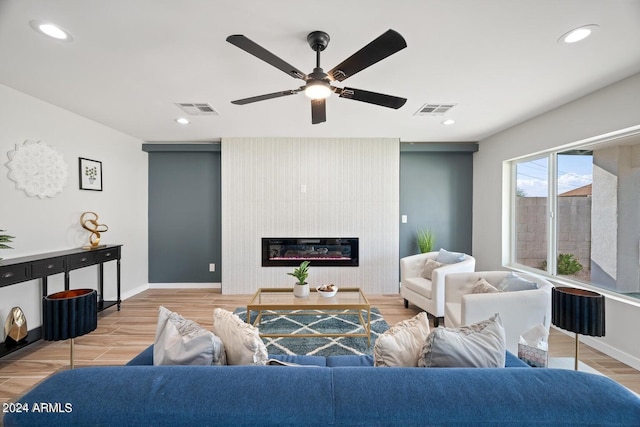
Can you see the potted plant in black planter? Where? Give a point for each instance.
(301, 288)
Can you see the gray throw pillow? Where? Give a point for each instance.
(446, 257)
(480, 345)
(483, 287)
(513, 283)
(180, 341)
(429, 266)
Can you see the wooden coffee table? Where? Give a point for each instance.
(282, 300)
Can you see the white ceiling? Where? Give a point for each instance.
(131, 60)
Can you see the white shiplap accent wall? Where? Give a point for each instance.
(352, 190)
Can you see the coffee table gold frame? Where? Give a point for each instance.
(346, 301)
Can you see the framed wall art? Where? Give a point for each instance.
(90, 174)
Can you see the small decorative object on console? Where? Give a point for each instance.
(327, 291)
(95, 229)
(15, 327)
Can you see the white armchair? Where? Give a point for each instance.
(519, 310)
(424, 293)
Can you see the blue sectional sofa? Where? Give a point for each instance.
(338, 390)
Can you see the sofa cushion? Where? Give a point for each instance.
(480, 345)
(351, 360)
(446, 257)
(513, 283)
(429, 266)
(241, 340)
(179, 341)
(483, 287)
(401, 344)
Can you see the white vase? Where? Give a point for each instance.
(301, 291)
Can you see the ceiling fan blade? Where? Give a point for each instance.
(265, 97)
(385, 45)
(259, 52)
(372, 97)
(318, 111)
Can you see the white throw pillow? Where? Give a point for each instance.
(429, 266)
(241, 340)
(401, 344)
(180, 341)
(481, 345)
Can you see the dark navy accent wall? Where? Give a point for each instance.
(184, 216)
(436, 191)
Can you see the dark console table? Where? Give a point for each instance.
(41, 266)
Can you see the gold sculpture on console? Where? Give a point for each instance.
(95, 229)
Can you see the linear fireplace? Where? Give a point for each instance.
(323, 251)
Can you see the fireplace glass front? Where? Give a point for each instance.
(327, 251)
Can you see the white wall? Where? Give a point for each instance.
(352, 190)
(51, 224)
(610, 109)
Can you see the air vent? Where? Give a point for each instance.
(434, 109)
(197, 109)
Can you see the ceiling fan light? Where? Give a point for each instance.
(317, 90)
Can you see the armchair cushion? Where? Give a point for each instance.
(446, 257)
(419, 285)
(480, 345)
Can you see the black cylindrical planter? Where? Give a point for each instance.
(578, 310)
(69, 314)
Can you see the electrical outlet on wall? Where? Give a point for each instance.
(212, 267)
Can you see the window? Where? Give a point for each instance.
(531, 212)
(575, 214)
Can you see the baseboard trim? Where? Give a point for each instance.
(135, 291)
(607, 349)
(185, 285)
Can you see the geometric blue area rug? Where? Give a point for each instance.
(340, 322)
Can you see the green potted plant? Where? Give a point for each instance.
(426, 239)
(301, 288)
(5, 239)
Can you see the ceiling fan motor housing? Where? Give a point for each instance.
(318, 40)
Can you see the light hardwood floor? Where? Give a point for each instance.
(122, 335)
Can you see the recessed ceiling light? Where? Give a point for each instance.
(578, 34)
(51, 30)
(448, 122)
(183, 121)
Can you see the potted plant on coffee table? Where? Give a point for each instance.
(301, 288)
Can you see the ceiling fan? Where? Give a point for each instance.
(318, 84)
